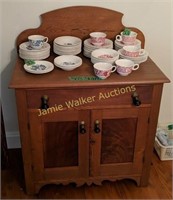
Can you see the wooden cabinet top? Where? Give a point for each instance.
(79, 21)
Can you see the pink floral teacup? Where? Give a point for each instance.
(98, 38)
(103, 70)
(132, 51)
(125, 66)
(127, 39)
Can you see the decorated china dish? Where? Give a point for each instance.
(26, 47)
(119, 45)
(89, 47)
(68, 62)
(67, 45)
(67, 41)
(108, 43)
(39, 67)
(104, 55)
(27, 52)
(138, 59)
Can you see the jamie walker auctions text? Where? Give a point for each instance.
(72, 103)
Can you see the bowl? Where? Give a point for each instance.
(68, 41)
(104, 55)
(68, 62)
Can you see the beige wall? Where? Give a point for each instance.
(153, 17)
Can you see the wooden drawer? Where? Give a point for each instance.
(90, 97)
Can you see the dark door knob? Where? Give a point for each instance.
(97, 126)
(135, 99)
(44, 102)
(82, 127)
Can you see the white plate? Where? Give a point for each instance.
(67, 50)
(40, 67)
(64, 48)
(108, 44)
(25, 46)
(34, 57)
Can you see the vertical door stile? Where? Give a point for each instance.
(83, 143)
(141, 136)
(36, 143)
(95, 143)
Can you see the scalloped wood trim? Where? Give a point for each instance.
(89, 181)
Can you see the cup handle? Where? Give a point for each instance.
(46, 39)
(119, 38)
(142, 52)
(135, 67)
(113, 69)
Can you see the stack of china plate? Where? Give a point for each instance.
(119, 45)
(104, 55)
(26, 52)
(68, 62)
(137, 60)
(67, 45)
(89, 47)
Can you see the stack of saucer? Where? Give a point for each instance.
(137, 60)
(119, 45)
(27, 52)
(104, 55)
(89, 47)
(67, 45)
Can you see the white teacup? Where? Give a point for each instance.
(132, 51)
(103, 70)
(37, 41)
(125, 66)
(98, 38)
(127, 39)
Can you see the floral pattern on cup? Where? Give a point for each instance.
(37, 41)
(132, 51)
(125, 66)
(127, 39)
(98, 38)
(103, 70)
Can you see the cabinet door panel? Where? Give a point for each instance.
(59, 150)
(118, 140)
(120, 145)
(60, 141)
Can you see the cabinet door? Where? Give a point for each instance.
(59, 150)
(118, 148)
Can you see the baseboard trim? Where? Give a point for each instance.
(13, 140)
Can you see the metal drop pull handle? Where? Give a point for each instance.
(135, 99)
(82, 127)
(44, 102)
(97, 126)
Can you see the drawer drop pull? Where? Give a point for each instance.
(44, 102)
(97, 126)
(135, 99)
(82, 127)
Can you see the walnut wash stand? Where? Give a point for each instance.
(99, 139)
